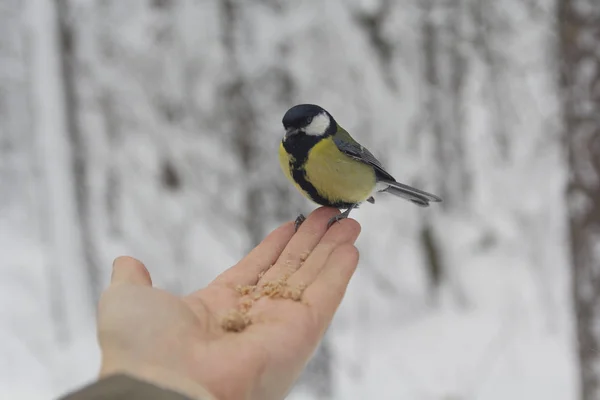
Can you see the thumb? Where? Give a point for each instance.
(128, 270)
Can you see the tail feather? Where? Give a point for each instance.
(409, 193)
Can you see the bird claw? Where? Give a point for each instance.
(335, 219)
(299, 220)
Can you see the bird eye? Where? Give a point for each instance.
(309, 120)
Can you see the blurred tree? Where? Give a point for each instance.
(67, 42)
(491, 27)
(24, 226)
(445, 68)
(579, 22)
(444, 72)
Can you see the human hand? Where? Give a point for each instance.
(247, 335)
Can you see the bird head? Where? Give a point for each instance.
(308, 120)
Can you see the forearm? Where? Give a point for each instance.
(127, 386)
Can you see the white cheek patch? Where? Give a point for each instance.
(318, 125)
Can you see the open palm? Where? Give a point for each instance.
(249, 334)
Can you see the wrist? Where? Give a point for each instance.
(158, 376)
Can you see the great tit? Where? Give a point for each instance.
(330, 168)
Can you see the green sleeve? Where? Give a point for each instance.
(123, 387)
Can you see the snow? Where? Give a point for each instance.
(155, 88)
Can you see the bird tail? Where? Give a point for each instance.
(409, 193)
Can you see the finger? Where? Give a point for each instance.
(344, 232)
(301, 245)
(264, 255)
(326, 293)
(130, 271)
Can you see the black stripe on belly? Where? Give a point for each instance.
(299, 176)
(299, 147)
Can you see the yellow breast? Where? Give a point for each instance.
(336, 176)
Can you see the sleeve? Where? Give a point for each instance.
(123, 387)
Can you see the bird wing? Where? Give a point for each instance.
(347, 145)
(355, 150)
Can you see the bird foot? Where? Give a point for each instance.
(299, 220)
(335, 219)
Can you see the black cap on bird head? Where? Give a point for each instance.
(309, 119)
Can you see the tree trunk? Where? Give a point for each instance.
(580, 83)
(72, 304)
(67, 42)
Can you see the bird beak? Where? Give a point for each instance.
(290, 132)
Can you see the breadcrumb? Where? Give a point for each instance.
(304, 256)
(246, 305)
(295, 293)
(280, 289)
(244, 290)
(271, 289)
(262, 273)
(235, 321)
(282, 281)
(238, 319)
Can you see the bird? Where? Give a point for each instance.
(332, 169)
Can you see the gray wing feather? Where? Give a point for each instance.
(360, 153)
